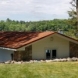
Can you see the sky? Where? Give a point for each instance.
(34, 10)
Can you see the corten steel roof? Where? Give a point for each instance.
(16, 40)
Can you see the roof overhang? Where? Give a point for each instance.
(8, 49)
(42, 36)
(67, 38)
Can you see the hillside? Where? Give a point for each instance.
(46, 25)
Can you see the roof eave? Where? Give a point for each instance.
(8, 48)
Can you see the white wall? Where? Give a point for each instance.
(58, 43)
(5, 55)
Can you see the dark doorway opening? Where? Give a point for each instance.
(53, 53)
(12, 56)
(48, 54)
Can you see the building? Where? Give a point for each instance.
(36, 45)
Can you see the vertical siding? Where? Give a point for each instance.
(5, 55)
(58, 43)
(73, 49)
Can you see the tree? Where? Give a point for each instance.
(74, 14)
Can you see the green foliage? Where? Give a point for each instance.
(11, 25)
(49, 25)
(73, 13)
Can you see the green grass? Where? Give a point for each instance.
(40, 70)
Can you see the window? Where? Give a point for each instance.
(51, 54)
(48, 53)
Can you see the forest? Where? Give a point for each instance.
(66, 26)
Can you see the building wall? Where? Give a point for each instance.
(51, 42)
(5, 55)
(73, 49)
(25, 54)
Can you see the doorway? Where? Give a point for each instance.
(48, 54)
(51, 54)
(12, 56)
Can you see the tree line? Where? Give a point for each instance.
(46, 25)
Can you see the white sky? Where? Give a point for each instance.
(34, 9)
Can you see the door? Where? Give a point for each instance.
(48, 54)
(12, 56)
(53, 53)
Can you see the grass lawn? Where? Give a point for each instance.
(40, 70)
